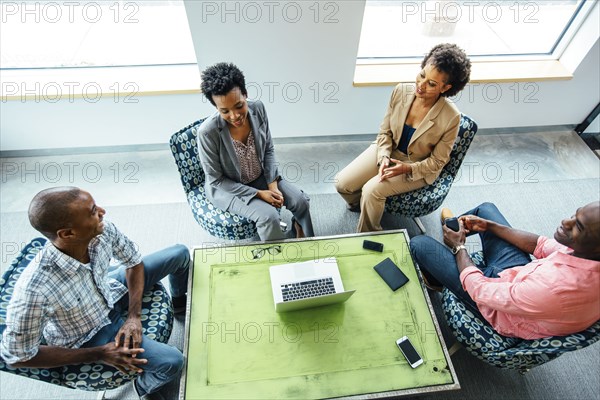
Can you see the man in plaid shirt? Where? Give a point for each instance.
(69, 296)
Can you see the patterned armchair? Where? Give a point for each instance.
(427, 199)
(480, 339)
(215, 221)
(157, 323)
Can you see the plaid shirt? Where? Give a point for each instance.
(63, 300)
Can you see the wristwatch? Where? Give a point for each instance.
(456, 249)
(382, 157)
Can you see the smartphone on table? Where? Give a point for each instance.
(409, 351)
(391, 274)
(375, 246)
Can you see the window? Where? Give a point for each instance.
(48, 34)
(408, 29)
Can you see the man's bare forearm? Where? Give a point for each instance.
(53, 356)
(135, 286)
(525, 241)
(463, 260)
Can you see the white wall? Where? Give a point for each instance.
(278, 57)
(80, 123)
(305, 52)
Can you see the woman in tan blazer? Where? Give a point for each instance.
(414, 140)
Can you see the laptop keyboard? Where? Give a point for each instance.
(302, 290)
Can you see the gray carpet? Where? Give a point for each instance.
(536, 207)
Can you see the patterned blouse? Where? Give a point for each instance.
(249, 163)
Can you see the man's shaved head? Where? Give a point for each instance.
(50, 209)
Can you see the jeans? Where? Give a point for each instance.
(438, 264)
(164, 361)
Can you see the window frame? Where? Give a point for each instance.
(564, 38)
(120, 18)
(389, 71)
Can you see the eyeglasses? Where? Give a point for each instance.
(273, 250)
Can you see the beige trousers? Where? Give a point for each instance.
(358, 182)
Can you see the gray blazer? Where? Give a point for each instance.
(220, 163)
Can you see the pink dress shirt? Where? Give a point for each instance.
(555, 295)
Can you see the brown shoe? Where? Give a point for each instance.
(429, 286)
(445, 214)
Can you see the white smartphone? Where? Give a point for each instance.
(409, 351)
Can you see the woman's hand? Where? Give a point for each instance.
(273, 187)
(274, 198)
(385, 162)
(397, 168)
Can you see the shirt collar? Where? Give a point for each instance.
(63, 261)
(565, 257)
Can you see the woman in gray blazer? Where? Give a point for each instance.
(237, 155)
(414, 141)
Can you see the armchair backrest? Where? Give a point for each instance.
(466, 132)
(184, 147)
(12, 273)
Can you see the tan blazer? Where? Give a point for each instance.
(430, 146)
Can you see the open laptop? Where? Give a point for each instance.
(307, 284)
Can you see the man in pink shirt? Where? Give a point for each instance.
(555, 295)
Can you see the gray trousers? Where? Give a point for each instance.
(266, 217)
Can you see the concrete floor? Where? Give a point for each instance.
(151, 177)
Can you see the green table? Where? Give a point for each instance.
(237, 346)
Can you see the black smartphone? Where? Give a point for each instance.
(452, 223)
(391, 274)
(375, 246)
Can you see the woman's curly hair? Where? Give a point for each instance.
(220, 79)
(452, 60)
